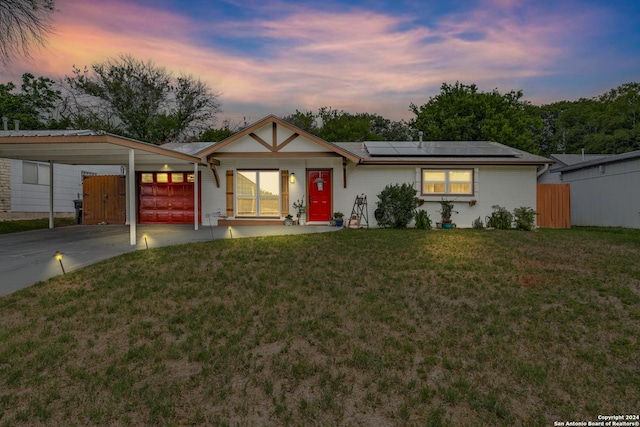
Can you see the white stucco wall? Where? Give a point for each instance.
(607, 196)
(510, 187)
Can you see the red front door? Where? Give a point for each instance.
(319, 191)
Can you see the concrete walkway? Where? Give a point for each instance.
(29, 257)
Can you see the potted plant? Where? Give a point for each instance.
(288, 220)
(446, 212)
(338, 217)
(301, 208)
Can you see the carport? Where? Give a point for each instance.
(88, 147)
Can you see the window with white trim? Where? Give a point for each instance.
(458, 182)
(258, 193)
(35, 173)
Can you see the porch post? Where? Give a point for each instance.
(132, 197)
(50, 194)
(196, 208)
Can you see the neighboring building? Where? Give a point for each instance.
(549, 174)
(24, 187)
(605, 192)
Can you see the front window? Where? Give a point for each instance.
(447, 182)
(258, 193)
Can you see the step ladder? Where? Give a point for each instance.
(359, 214)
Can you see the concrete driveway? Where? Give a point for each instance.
(29, 257)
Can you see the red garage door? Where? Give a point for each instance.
(166, 198)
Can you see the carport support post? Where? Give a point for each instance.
(50, 194)
(195, 196)
(131, 192)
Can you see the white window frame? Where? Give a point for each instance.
(41, 173)
(447, 182)
(258, 197)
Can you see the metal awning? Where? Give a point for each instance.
(85, 147)
(88, 147)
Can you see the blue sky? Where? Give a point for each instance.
(272, 57)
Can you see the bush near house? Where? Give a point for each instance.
(396, 205)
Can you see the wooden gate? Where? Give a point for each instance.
(104, 200)
(554, 205)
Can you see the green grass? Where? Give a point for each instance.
(33, 224)
(357, 327)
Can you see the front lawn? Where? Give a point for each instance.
(357, 327)
(14, 226)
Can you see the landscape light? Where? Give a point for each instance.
(59, 258)
(144, 236)
(230, 233)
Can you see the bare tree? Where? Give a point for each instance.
(139, 99)
(23, 23)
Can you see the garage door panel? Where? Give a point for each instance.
(163, 203)
(146, 190)
(163, 217)
(166, 202)
(147, 216)
(147, 203)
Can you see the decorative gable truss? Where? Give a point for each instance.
(274, 146)
(266, 133)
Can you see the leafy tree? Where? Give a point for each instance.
(304, 120)
(343, 126)
(23, 23)
(34, 106)
(396, 206)
(609, 123)
(140, 100)
(462, 113)
(218, 134)
(340, 126)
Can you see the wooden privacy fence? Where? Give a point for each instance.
(104, 200)
(554, 205)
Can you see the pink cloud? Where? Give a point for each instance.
(355, 60)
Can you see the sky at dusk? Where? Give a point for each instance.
(273, 57)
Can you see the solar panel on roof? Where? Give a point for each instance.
(438, 149)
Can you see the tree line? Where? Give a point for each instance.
(140, 100)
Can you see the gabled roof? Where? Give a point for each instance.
(602, 160)
(271, 119)
(83, 147)
(407, 152)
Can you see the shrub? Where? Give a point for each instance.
(524, 218)
(423, 222)
(500, 218)
(477, 224)
(397, 206)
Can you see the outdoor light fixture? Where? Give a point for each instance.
(59, 258)
(144, 236)
(230, 233)
(292, 178)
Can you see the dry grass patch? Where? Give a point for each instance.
(360, 327)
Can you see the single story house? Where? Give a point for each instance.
(259, 173)
(605, 192)
(256, 175)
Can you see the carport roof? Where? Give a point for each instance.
(84, 147)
